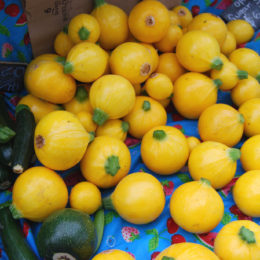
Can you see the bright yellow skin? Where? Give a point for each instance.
(141, 121)
(187, 251)
(192, 142)
(221, 123)
(246, 193)
(165, 102)
(62, 44)
(39, 107)
(230, 246)
(114, 128)
(154, 53)
(113, 254)
(250, 153)
(39, 192)
(228, 75)
(196, 207)
(184, 14)
(108, 92)
(85, 196)
(94, 161)
(251, 112)
(245, 90)
(76, 105)
(242, 30)
(139, 198)
(174, 18)
(169, 65)
(212, 161)
(211, 24)
(166, 156)
(45, 79)
(193, 93)
(170, 40)
(149, 21)
(197, 50)
(86, 120)
(89, 23)
(89, 61)
(229, 44)
(159, 86)
(46, 57)
(132, 61)
(60, 140)
(113, 25)
(246, 59)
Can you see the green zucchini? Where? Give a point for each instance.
(14, 242)
(6, 177)
(67, 234)
(4, 116)
(6, 153)
(23, 149)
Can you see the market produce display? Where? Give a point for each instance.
(138, 139)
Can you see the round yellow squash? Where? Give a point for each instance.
(86, 62)
(229, 44)
(86, 120)
(186, 251)
(238, 240)
(246, 193)
(184, 15)
(106, 161)
(37, 193)
(198, 51)
(39, 107)
(164, 150)
(131, 60)
(45, 79)
(196, 206)
(154, 53)
(113, 254)
(221, 123)
(113, 24)
(138, 198)
(60, 140)
(146, 114)
(192, 142)
(215, 162)
(112, 97)
(63, 43)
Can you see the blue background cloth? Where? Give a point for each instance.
(142, 241)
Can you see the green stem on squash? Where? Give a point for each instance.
(205, 181)
(68, 67)
(81, 94)
(99, 223)
(107, 203)
(146, 105)
(15, 212)
(61, 60)
(258, 77)
(234, 154)
(91, 136)
(241, 119)
(99, 116)
(247, 235)
(167, 258)
(83, 33)
(125, 126)
(217, 64)
(159, 135)
(112, 165)
(218, 83)
(99, 3)
(242, 74)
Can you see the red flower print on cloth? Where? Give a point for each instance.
(7, 49)
(12, 10)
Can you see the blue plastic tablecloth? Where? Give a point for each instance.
(142, 241)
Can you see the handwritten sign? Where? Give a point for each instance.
(12, 76)
(248, 10)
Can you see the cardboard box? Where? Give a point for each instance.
(46, 18)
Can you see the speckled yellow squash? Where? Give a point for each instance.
(238, 240)
(164, 150)
(138, 198)
(60, 140)
(37, 193)
(106, 161)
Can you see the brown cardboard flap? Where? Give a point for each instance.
(46, 18)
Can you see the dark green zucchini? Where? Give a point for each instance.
(14, 242)
(23, 149)
(6, 177)
(4, 116)
(6, 153)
